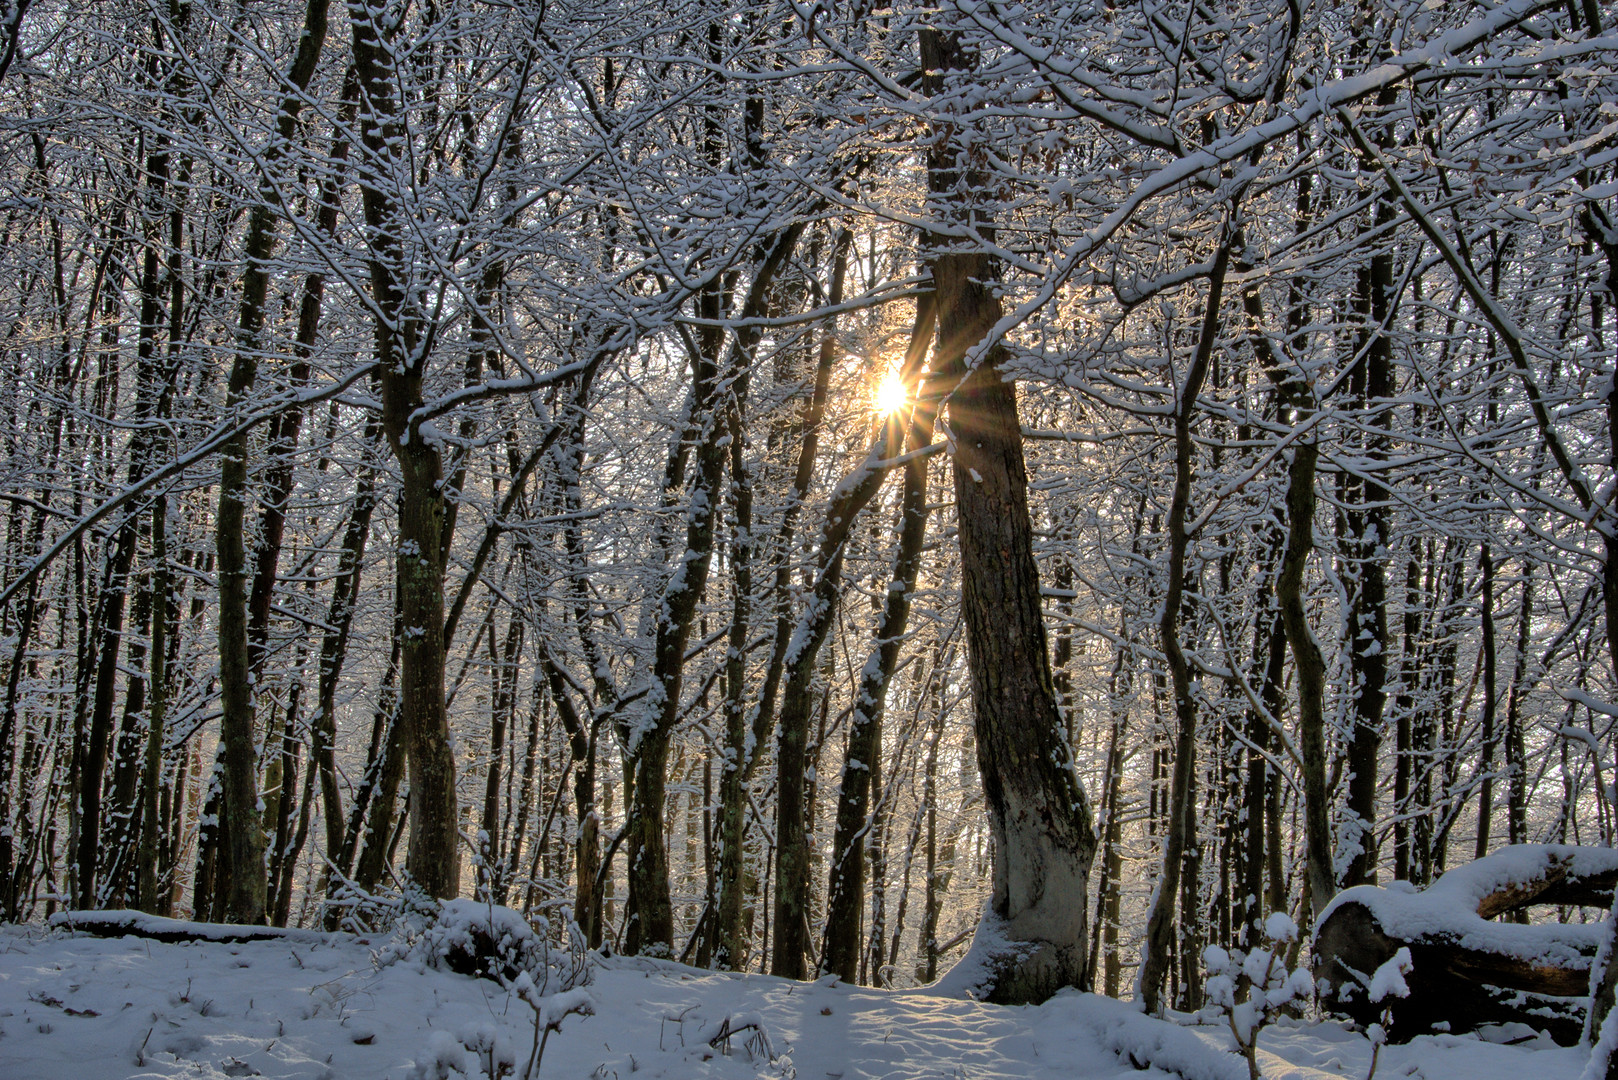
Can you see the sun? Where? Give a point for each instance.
(891, 394)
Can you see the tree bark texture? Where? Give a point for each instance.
(433, 857)
(1032, 939)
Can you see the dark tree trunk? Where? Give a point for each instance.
(433, 858)
(1179, 845)
(1033, 939)
(1366, 542)
(1405, 707)
(1486, 763)
(1516, 760)
(1311, 669)
(243, 838)
(651, 920)
(845, 890)
(1039, 814)
(152, 866)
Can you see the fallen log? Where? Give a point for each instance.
(115, 924)
(1469, 969)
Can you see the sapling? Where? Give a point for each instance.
(1252, 988)
(1386, 983)
(549, 1012)
(558, 994)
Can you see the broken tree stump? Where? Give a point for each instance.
(1471, 970)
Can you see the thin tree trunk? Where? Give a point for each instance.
(151, 865)
(792, 866)
(1486, 764)
(1367, 523)
(1311, 671)
(845, 889)
(1104, 939)
(1516, 755)
(1262, 779)
(1181, 825)
(724, 945)
(1405, 707)
(283, 848)
(938, 863)
(747, 740)
(371, 819)
(243, 839)
(651, 918)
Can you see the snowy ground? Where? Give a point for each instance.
(79, 1008)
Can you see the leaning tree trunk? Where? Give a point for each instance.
(1031, 941)
(1033, 932)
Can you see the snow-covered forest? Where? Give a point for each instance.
(799, 487)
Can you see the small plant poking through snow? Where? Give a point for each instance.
(484, 940)
(1250, 989)
(756, 1042)
(549, 1012)
(1385, 984)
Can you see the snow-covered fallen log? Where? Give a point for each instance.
(116, 924)
(1469, 968)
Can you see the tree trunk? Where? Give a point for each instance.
(651, 920)
(1366, 523)
(1311, 669)
(845, 889)
(1405, 707)
(370, 820)
(151, 868)
(1032, 939)
(727, 947)
(1034, 930)
(243, 840)
(1486, 763)
(938, 863)
(764, 708)
(1179, 842)
(1516, 755)
(433, 858)
(792, 868)
(1104, 935)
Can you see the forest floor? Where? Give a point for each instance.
(73, 1007)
